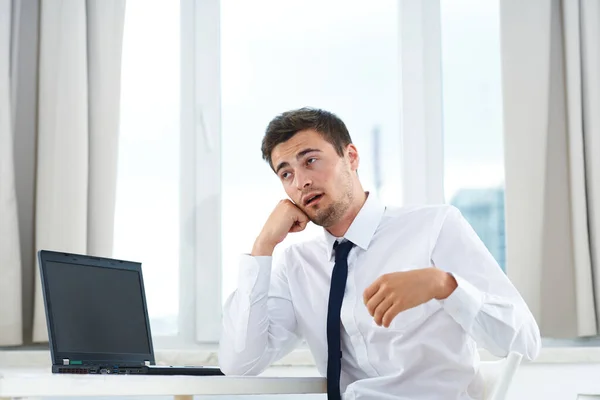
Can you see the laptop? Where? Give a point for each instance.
(98, 319)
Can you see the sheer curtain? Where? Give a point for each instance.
(551, 85)
(10, 262)
(67, 159)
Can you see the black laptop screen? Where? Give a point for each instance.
(96, 309)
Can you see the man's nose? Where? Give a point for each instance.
(302, 180)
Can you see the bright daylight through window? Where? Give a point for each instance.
(342, 58)
(147, 207)
(472, 104)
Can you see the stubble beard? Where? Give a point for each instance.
(334, 212)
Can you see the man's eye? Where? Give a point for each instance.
(285, 175)
(311, 160)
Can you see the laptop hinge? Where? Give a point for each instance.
(147, 363)
(65, 361)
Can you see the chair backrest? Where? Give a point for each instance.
(498, 375)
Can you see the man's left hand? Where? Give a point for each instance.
(395, 292)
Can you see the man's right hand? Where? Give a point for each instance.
(285, 218)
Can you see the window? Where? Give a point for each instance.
(147, 205)
(472, 125)
(192, 121)
(337, 55)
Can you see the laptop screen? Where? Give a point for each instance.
(96, 309)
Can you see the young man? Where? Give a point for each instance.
(393, 302)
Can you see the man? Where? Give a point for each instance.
(393, 302)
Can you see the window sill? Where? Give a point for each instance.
(300, 358)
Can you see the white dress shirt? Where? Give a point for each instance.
(428, 352)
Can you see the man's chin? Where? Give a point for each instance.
(321, 220)
(314, 213)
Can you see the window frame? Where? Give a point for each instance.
(420, 42)
(421, 150)
(199, 320)
(200, 299)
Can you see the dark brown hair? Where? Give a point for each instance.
(284, 126)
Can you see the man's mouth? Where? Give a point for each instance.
(309, 201)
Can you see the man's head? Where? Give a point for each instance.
(311, 152)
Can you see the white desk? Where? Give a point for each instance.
(40, 383)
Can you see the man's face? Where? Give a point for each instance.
(315, 177)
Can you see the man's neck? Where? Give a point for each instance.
(340, 229)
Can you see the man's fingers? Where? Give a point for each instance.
(374, 302)
(370, 291)
(390, 314)
(300, 222)
(298, 226)
(381, 310)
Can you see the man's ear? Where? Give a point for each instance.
(353, 157)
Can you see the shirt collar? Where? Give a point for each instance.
(363, 227)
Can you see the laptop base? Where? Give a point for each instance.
(136, 370)
(176, 370)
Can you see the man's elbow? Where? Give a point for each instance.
(535, 347)
(231, 369)
(532, 342)
(239, 369)
(234, 364)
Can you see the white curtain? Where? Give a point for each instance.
(10, 260)
(551, 90)
(78, 93)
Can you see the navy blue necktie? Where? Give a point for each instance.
(336, 296)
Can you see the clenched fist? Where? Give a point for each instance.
(285, 218)
(395, 292)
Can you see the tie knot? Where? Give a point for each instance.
(342, 250)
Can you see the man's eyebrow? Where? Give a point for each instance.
(305, 152)
(298, 156)
(281, 165)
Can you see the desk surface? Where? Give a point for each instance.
(41, 382)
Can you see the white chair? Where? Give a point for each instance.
(497, 375)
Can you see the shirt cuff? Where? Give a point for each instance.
(464, 303)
